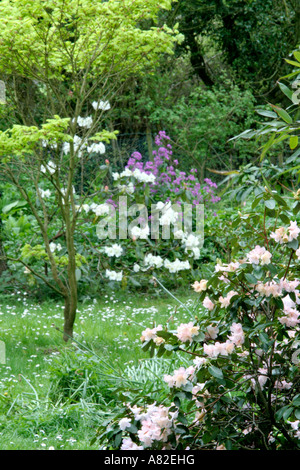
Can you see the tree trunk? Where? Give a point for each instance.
(149, 141)
(197, 61)
(69, 316)
(3, 262)
(71, 295)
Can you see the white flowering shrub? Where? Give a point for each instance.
(239, 384)
(159, 236)
(152, 193)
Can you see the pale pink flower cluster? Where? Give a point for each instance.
(157, 423)
(207, 303)
(157, 427)
(291, 317)
(225, 301)
(269, 288)
(224, 349)
(124, 423)
(295, 427)
(214, 350)
(289, 286)
(285, 235)
(276, 289)
(259, 256)
(151, 333)
(212, 331)
(180, 377)
(283, 385)
(199, 361)
(227, 268)
(128, 444)
(186, 331)
(237, 334)
(195, 391)
(200, 286)
(198, 388)
(298, 253)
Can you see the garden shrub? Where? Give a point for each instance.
(241, 387)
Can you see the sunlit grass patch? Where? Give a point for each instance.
(46, 401)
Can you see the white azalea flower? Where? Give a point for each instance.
(104, 105)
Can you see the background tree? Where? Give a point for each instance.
(62, 61)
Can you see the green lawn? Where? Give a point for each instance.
(32, 416)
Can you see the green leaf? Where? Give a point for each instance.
(270, 204)
(13, 205)
(297, 55)
(292, 62)
(132, 429)
(181, 429)
(78, 274)
(118, 439)
(250, 278)
(293, 244)
(215, 372)
(266, 113)
(296, 208)
(286, 90)
(200, 337)
(285, 219)
(287, 413)
(293, 142)
(283, 114)
(293, 156)
(256, 201)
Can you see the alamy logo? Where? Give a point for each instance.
(296, 357)
(2, 352)
(140, 221)
(2, 92)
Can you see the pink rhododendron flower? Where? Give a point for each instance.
(259, 255)
(285, 235)
(262, 378)
(293, 231)
(212, 331)
(128, 444)
(207, 303)
(280, 235)
(283, 385)
(124, 423)
(237, 334)
(214, 350)
(198, 388)
(291, 318)
(199, 361)
(200, 286)
(150, 333)
(227, 268)
(156, 425)
(225, 301)
(269, 288)
(186, 331)
(180, 377)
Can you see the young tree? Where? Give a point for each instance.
(63, 61)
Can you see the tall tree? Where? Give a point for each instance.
(71, 58)
(249, 36)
